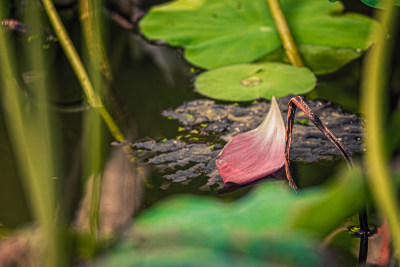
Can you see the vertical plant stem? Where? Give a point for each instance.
(93, 168)
(92, 34)
(373, 86)
(30, 135)
(94, 143)
(73, 57)
(284, 33)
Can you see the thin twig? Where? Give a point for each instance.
(288, 42)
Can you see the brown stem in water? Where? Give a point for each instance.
(299, 102)
(288, 140)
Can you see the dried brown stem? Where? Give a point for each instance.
(299, 102)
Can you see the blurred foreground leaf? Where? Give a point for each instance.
(379, 3)
(245, 82)
(4, 11)
(272, 226)
(218, 33)
(342, 200)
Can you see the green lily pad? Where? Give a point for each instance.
(320, 59)
(379, 3)
(245, 82)
(222, 32)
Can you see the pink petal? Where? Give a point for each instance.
(255, 154)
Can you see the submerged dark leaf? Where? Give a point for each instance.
(214, 124)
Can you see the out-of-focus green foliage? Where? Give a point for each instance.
(379, 3)
(272, 225)
(245, 82)
(32, 139)
(223, 32)
(324, 213)
(4, 9)
(393, 135)
(271, 249)
(4, 231)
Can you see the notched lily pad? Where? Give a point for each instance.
(211, 125)
(205, 29)
(320, 59)
(245, 82)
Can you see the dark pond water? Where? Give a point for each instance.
(149, 79)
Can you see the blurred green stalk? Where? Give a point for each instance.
(91, 28)
(283, 29)
(30, 134)
(374, 84)
(93, 162)
(93, 137)
(73, 57)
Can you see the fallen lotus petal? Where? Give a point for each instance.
(255, 154)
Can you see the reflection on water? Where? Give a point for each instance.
(121, 194)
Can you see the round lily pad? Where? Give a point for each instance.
(245, 82)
